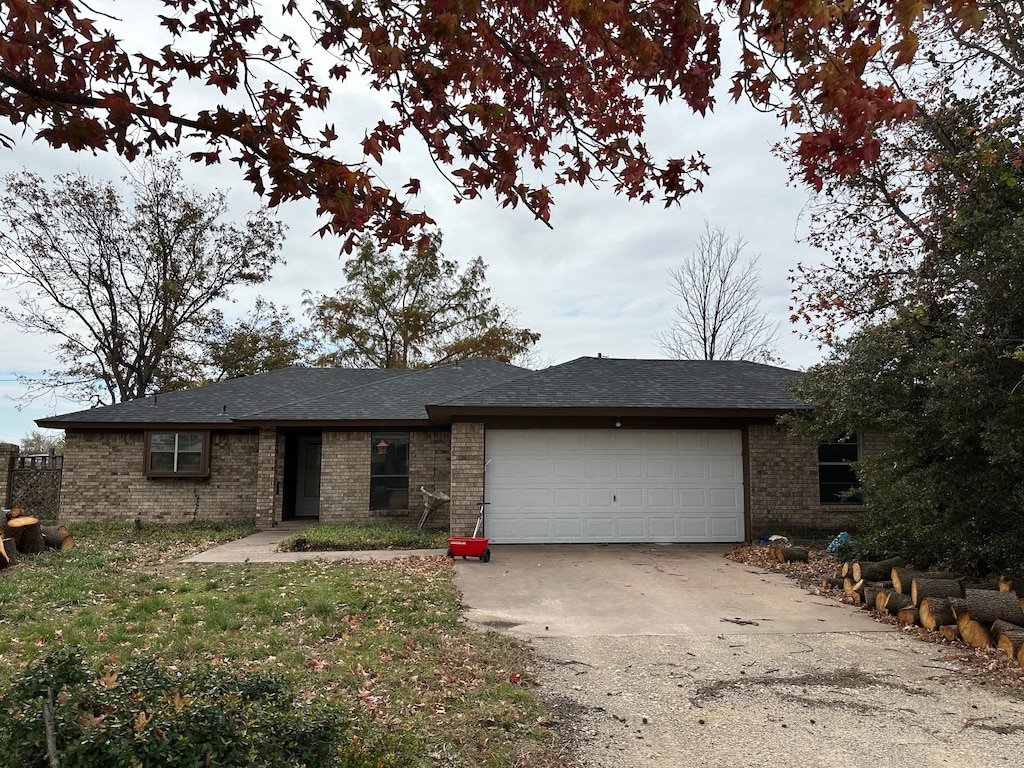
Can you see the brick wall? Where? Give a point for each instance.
(784, 497)
(267, 507)
(345, 477)
(467, 478)
(104, 481)
(430, 466)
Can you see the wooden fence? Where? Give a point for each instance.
(34, 484)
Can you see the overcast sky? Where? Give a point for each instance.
(595, 282)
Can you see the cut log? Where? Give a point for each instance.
(950, 633)
(12, 513)
(908, 615)
(55, 538)
(897, 601)
(847, 569)
(854, 589)
(8, 553)
(921, 588)
(1008, 637)
(935, 612)
(789, 554)
(1009, 583)
(871, 594)
(986, 605)
(902, 577)
(882, 599)
(972, 632)
(879, 570)
(829, 583)
(27, 534)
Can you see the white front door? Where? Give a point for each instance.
(614, 485)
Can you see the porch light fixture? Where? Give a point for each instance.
(382, 447)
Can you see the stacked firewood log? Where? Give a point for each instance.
(981, 614)
(20, 533)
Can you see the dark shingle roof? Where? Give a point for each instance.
(602, 382)
(337, 395)
(299, 394)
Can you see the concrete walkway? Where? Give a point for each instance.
(261, 547)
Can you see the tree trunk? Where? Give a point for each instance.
(882, 599)
(831, 582)
(880, 570)
(854, 590)
(27, 534)
(986, 605)
(935, 612)
(1009, 637)
(950, 633)
(921, 588)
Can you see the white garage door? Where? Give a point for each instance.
(578, 485)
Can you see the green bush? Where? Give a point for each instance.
(147, 715)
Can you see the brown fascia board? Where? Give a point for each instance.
(361, 424)
(440, 414)
(136, 426)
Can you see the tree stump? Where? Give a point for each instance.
(935, 612)
(27, 534)
(879, 570)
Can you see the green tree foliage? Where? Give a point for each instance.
(36, 442)
(941, 370)
(413, 309)
(127, 291)
(266, 339)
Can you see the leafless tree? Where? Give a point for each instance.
(719, 316)
(127, 292)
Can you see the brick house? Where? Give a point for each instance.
(593, 450)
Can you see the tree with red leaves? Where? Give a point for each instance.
(510, 98)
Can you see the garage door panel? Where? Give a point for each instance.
(629, 497)
(568, 528)
(614, 485)
(600, 528)
(723, 498)
(568, 497)
(723, 469)
(725, 529)
(569, 469)
(658, 498)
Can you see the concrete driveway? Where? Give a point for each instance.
(672, 656)
(620, 590)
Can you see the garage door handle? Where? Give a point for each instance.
(614, 498)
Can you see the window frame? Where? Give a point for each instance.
(375, 464)
(203, 470)
(850, 441)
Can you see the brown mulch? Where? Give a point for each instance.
(998, 666)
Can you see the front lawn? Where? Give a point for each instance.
(323, 537)
(377, 649)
